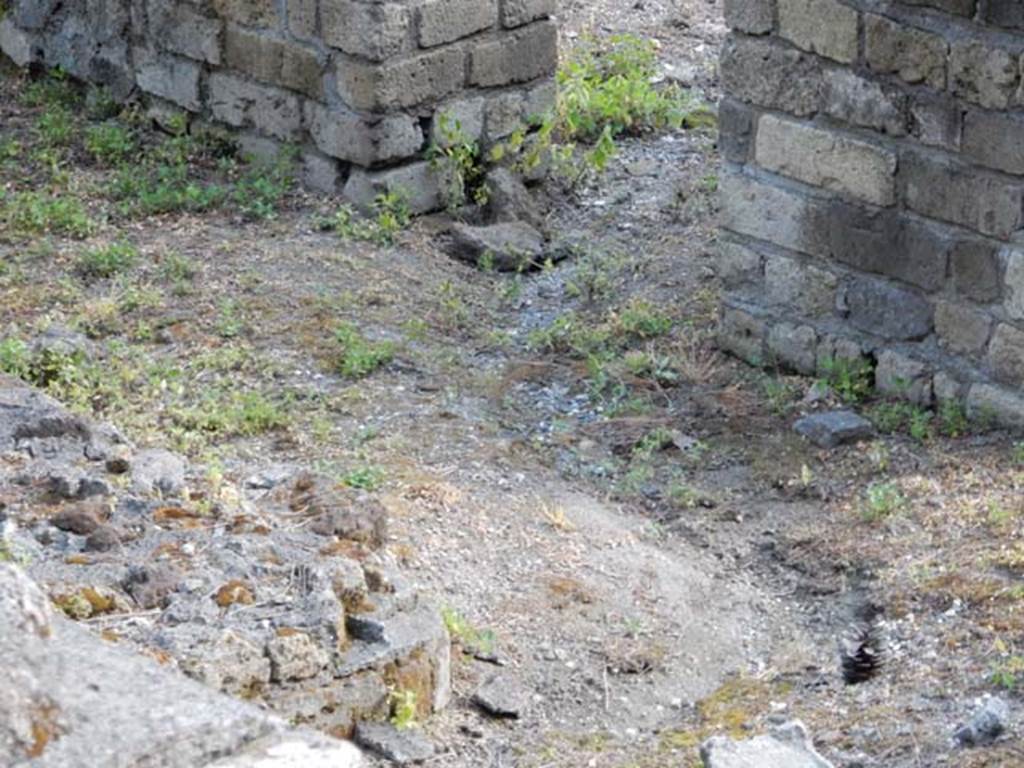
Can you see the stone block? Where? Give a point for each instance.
(442, 21)
(1013, 280)
(987, 402)
(994, 140)
(169, 77)
(864, 103)
(259, 149)
(828, 430)
(269, 110)
(766, 73)
(946, 388)
(375, 31)
(983, 73)
(946, 190)
(825, 27)
(737, 264)
(827, 159)
(253, 13)
(838, 348)
(516, 13)
(936, 120)
(274, 61)
(793, 346)
(913, 54)
(464, 116)
(902, 376)
(363, 140)
(889, 243)
(1003, 14)
(799, 287)
(755, 208)
(975, 269)
(539, 101)
(419, 181)
(884, 309)
(302, 18)
(961, 328)
(400, 83)
(755, 17)
(742, 334)
(735, 130)
(503, 114)
(958, 7)
(527, 54)
(321, 173)
(16, 43)
(180, 29)
(1006, 354)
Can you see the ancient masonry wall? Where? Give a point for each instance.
(359, 84)
(873, 193)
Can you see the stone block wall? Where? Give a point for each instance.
(873, 193)
(358, 84)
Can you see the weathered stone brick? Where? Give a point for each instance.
(442, 21)
(270, 110)
(15, 43)
(420, 182)
(169, 77)
(983, 73)
(524, 55)
(799, 287)
(274, 61)
(959, 7)
(180, 29)
(825, 27)
(1004, 13)
(321, 172)
(838, 348)
(793, 347)
(516, 13)
(1013, 279)
(961, 328)
(742, 334)
(886, 242)
(302, 18)
(1006, 354)
(865, 103)
(757, 209)
(375, 31)
(254, 13)
(953, 192)
(936, 120)
(365, 141)
(539, 101)
(768, 74)
(902, 376)
(737, 264)
(975, 269)
(755, 17)
(503, 114)
(986, 401)
(913, 54)
(403, 82)
(826, 158)
(465, 116)
(995, 140)
(735, 130)
(883, 309)
(947, 388)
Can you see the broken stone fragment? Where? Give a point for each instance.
(294, 655)
(506, 247)
(787, 746)
(987, 724)
(501, 696)
(151, 585)
(510, 201)
(339, 511)
(78, 519)
(833, 428)
(400, 746)
(156, 470)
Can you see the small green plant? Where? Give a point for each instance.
(15, 358)
(366, 478)
(851, 379)
(56, 126)
(643, 320)
(457, 159)
(109, 143)
(259, 192)
(230, 321)
(1008, 673)
(33, 213)
(953, 421)
(463, 632)
(403, 709)
(54, 89)
(359, 356)
(391, 215)
(106, 261)
(881, 500)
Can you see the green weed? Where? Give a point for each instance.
(109, 143)
(106, 261)
(851, 380)
(34, 213)
(56, 126)
(881, 500)
(1008, 673)
(403, 709)
(360, 357)
(457, 159)
(366, 478)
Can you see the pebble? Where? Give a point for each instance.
(987, 724)
(501, 696)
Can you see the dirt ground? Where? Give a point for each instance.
(645, 545)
